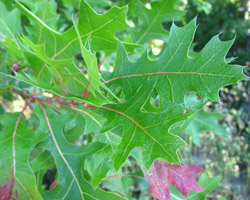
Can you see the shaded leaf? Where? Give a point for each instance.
(43, 161)
(206, 121)
(200, 121)
(25, 141)
(208, 183)
(152, 20)
(69, 161)
(99, 164)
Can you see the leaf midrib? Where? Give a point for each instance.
(175, 73)
(142, 128)
(60, 152)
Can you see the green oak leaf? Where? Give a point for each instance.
(99, 164)
(152, 19)
(200, 121)
(69, 160)
(146, 130)
(9, 34)
(68, 76)
(177, 73)
(91, 62)
(66, 72)
(42, 161)
(48, 14)
(56, 91)
(100, 28)
(9, 28)
(207, 183)
(205, 121)
(24, 141)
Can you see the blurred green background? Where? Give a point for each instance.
(226, 156)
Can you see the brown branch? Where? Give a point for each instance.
(29, 96)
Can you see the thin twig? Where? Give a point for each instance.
(27, 95)
(101, 71)
(53, 107)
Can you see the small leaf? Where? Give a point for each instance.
(161, 176)
(6, 190)
(208, 183)
(206, 121)
(99, 164)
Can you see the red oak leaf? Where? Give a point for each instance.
(51, 187)
(183, 177)
(6, 190)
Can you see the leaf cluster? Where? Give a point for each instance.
(94, 103)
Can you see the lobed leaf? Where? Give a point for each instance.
(152, 20)
(208, 183)
(15, 148)
(146, 130)
(174, 73)
(161, 176)
(69, 159)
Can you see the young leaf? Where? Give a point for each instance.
(69, 77)
(207, 183)
(200, 121)
(161, 176)
(91, 61)
(206, 121)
